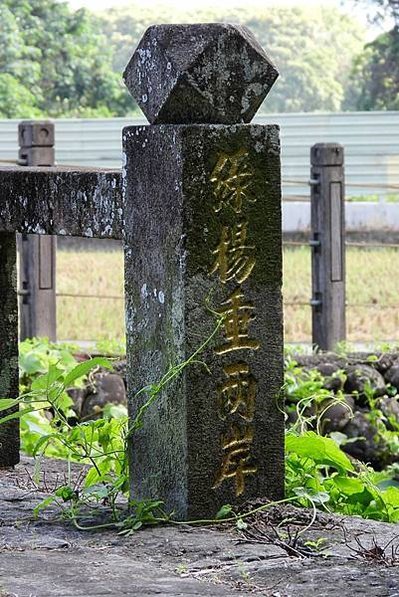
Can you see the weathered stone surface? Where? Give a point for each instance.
(370, 447)
(337, 415)
(368, 376)
(386, 361)
(211, 73)
(9, 432)
(392, 375)
(360, 378)
(46, 558)
(107, 388)
(63, 201)
(390, 409)
(333, 380)
(182, 215)
(36, 133)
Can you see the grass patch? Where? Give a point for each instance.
(372, 283)
(374, 198)
(90, 273)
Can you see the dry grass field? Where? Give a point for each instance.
(372, 278)
(372, 283)
(90, 273)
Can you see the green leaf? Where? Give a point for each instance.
(31, 363)
(321, 497)
(349, 485)
(98, 492)
(43, 504)
(43, 440)
(224, 512)
(322, 450)
(6, 403)
(391, 497)
(66, 493)
(17, 415)
(302, 492)
(84, 368)
(372, 358)
(44, 382)
(92, 477)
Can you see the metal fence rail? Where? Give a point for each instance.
(326, 234)
(371, 141)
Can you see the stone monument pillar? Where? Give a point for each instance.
(202, 242)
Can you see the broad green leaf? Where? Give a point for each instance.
(6, 403)
(302, 492)
(323, 450)
(66, 493)
(17, 415)
(98, 491)
(365, 497)
(391, 497)
(31, 363)
(91, 477)
(43, 382)
(84, 368)
(63, 402)
(43, 440)
(349, 485)
(321, 497)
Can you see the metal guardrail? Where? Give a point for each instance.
(371, 141)
(325, 175)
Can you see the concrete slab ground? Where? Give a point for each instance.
(48, 557)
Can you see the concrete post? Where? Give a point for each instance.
(37, 253)
(328, 245)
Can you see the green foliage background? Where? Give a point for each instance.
(56, 62)
(375, 77)
(312, 47)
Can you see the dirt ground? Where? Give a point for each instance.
(47, 558)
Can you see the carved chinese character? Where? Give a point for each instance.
(233, 257)
(237, 393)
(237, 317)
(232, 180)
(236, 458)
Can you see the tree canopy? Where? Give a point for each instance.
(55, 62)
(375, 76)
(380, 10)
(58, 62)
(312, 48)
(374, 81)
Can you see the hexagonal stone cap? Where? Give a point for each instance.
(211, 73)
